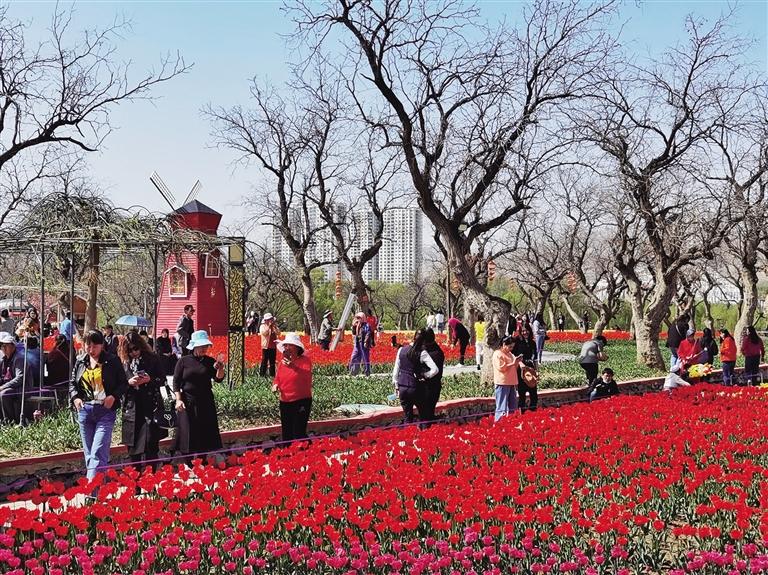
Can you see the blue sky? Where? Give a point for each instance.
(229, 43)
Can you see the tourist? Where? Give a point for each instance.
(13, 373)
(96, 388)
(431, 322)
(252, 323)
(673, 379)
(198, 424)
(727, 355)
(585, 320)
(505, 378)
(457, 333)
(413, 366)
(164, 351)
(65, 326)
(689, 351)
(675, 335)
(754, 353)
(142, 400)
(606, 386)
(708, 347)
(561, 322)
(539, 331)
(479, 340)
(362, 341)
(184, 328)
(294, 383)
(326, 330)
(150, 342)
(111, 339)
(29, 327)
(57, 362)
(524, 348)
(269, 333)
(440, 321)
(7, 324)
(591, 355)
(432, 385)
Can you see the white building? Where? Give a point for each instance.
(398, 261)
(401, 252)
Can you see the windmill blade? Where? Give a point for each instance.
(193, 192)
(163, 189)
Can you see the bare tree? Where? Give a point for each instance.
(55, 101)
(653, 124)
(277, 136)
(478, 115)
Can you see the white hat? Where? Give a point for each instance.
(6, 337)
(290, 339)
(327, 313)
(199, 339)
(360, 314)
(267, 316)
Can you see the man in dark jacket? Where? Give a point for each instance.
(676, 335)
(185, 328)
(12, 379)
(458, 334)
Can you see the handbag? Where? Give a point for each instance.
(530, 376)
(165, 411)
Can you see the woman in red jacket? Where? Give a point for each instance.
(727, 355)
(754, 352)
(294, 382)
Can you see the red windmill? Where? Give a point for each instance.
(192, 277)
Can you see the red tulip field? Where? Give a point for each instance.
(633, 485)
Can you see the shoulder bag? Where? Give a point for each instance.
(530, 376)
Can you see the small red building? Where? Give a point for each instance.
(194, 277)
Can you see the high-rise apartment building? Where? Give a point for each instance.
(398, 260)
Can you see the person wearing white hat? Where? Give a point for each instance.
(269, 333)
(198, 423)
(326, 330)
(294, 383)
(12, 372)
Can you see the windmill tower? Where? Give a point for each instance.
(194, 278)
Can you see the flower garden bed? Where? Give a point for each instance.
(652, 484)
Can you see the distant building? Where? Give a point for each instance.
(398, 261)
(401, 254)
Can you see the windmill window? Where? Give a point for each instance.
(212, 266)
(177, 282)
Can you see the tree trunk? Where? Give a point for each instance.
(709, 321)
(551, 313)
(648, 320)
(579, 321)
(600, 323)
(748, 306)
(92, 281)
(308, 305)
(361, 291)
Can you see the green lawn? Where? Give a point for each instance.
(255, 404)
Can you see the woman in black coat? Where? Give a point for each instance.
(198, 430)
(142, 401)
(525, 346)
(434, 385)
(164, 350)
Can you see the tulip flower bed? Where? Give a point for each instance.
(383, 352)
(632, 485)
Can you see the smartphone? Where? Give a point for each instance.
(142, 373)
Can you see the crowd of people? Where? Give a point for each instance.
(129, 373)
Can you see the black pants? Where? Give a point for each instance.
(325, 344)
(268, 356)
(430, 401)
(410, 397)
(591, 370)
(294, 416)
(462, 350)
(522, 389)
(752, 369)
